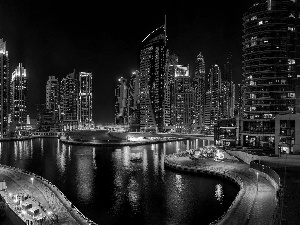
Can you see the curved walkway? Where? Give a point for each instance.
(255, 203)
(42, 194)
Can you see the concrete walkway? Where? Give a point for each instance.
(256, 201)
(41, 195)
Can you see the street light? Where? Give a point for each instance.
(256, 181)
(32, 185)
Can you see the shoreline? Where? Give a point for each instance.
(245, 209)
(42, 191)
(125, 143)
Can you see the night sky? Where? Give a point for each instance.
(52, 38)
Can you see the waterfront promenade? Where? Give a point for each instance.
(256, 201)
(52, 205)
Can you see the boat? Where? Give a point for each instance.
(136, 157)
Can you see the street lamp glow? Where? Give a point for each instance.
(257, 181)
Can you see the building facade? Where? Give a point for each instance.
(85, 102)
(69, 102)
(199, 90)
(183, 100)
(134, 102)
(153, 56)
(19, 95)
(169, 98)
(271, 63)
(4, 88)
(52, 97)
(121, 104)
(213, 96)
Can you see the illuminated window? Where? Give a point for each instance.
(291, 61)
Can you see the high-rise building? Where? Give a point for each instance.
(19, 94)
(271, 64)
(228, 94)
(52, 97)
(134, 102)
(169, 98)
(4, 88)
(121, 105)
(69, 90)
(213, 96)
(199, 90)
(85, 100)
(153, 55)
(183, 99)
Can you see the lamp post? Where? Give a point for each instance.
(256, 181)
(32, 185)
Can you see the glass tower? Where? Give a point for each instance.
(19, 92)
(4, 88)
(270, 68)
(153, 55)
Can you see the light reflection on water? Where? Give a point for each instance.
(110, 189)
(219, 193)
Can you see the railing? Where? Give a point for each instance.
(80, 218)
(267, 170)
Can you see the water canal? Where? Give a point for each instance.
(108, 188)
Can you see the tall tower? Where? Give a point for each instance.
(121, 106)
(213, 94)
(199, 90)
(271, 63)
(183, 99)
(153, 56)
(52, 96)
(169, 99)
(85, 100)
(4, 88)
(19, 92)
(134, 103)
(69, 102)
(227, 89)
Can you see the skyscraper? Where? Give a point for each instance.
(199, 90)
(69, 102)
(169, 98)
(121, 105)
(4, 88)
(85, 102)
(183, 99)
(153, 55)
(134, 102)
(19, 93)
(213, 94)
(228, 94)
(52, 97)
(271, 64)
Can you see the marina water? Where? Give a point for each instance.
(108, 188)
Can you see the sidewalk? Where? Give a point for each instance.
(40, 196)
(250, 206)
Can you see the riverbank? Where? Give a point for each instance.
(256, 201)
(40, 194)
